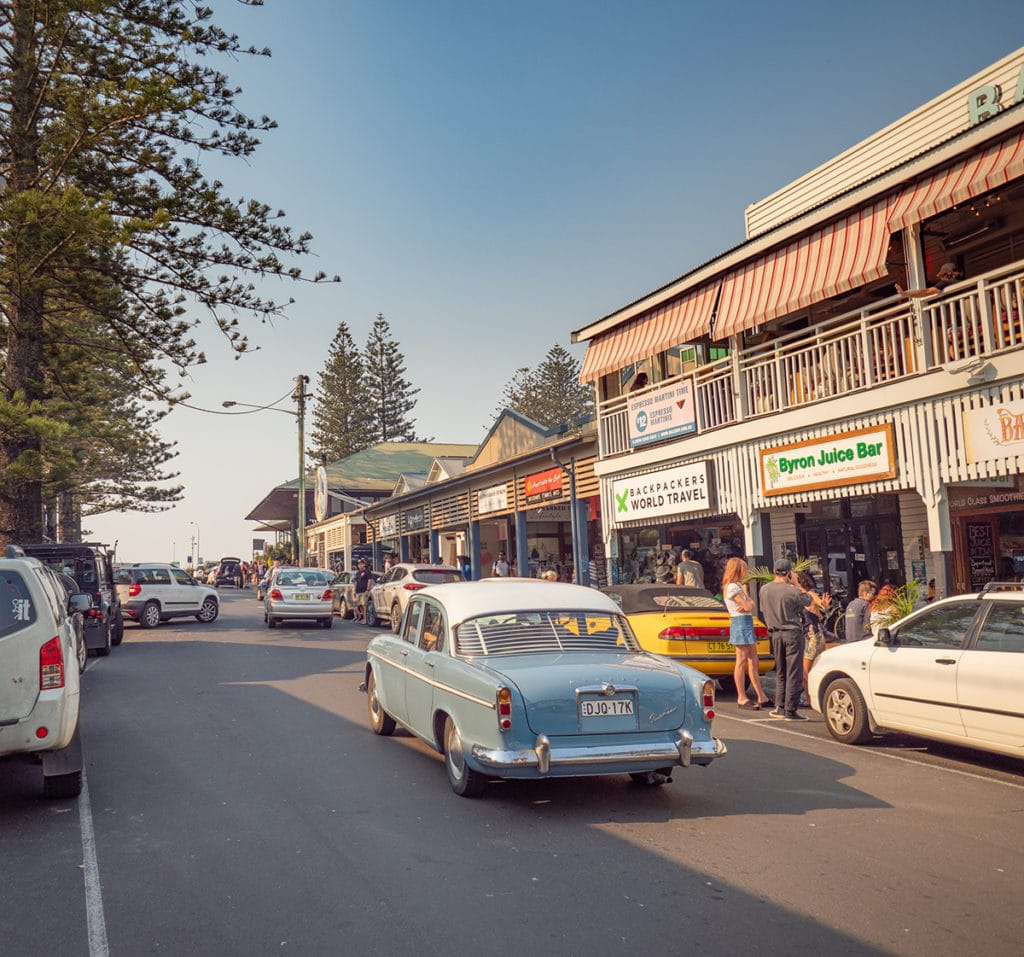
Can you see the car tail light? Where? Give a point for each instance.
(51, 665)
(134, 590)
(680, 632)
(275, 594)
(327, 595)
(708, 700)
(413, 586)
(760, 632)
(97, 606)
(504, 701)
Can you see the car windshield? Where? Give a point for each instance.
(299, 579)
(436, 576)
(532, 632)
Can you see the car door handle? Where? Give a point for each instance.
(945, 661)
(405, 653)
(430, 664)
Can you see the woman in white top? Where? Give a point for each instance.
(741, 634)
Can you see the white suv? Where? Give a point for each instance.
(151, 592)
(390, 595)
(39, 693)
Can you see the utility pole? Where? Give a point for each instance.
(299, 395)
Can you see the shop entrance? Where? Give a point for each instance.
(854, 539)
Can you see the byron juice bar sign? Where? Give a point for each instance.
(865, 455)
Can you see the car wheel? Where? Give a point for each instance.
(344, 610)
(464, 780)
(380, 721)
(81, 651)
(327, 622)
(117, 629)
(271, 621)
(62, 785)
(208, 611)
(371, 614)
(846, 714)
(150, 616)
(396, 617)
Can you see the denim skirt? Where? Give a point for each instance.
(741, 630)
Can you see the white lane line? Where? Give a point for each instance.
(95, 922)
(775, 722)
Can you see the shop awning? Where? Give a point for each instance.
(833, 259)
(960, 182)
(680, 320)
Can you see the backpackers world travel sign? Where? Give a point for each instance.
(674, 491)
(850, 458)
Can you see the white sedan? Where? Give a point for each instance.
(952, 671)
(299, 593)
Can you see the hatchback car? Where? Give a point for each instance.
(388, 598)
(513, 678)
(39, 696)
(952, 671)
(229, 572)
(294, 594)
(152, 592)
(687, 624)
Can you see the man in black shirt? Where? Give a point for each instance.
(782, 605)
(363, 580)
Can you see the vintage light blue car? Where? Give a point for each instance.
(516, 678)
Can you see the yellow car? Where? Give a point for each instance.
(688, 624)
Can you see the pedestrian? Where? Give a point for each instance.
(466, 567)
(814, 635)
(858, 612)
(737, 599)
(881, 610)
(549, 575)
(662, 569)
(690, 572)
(500, 567)
(389, 561)
(782, 606)
(363, 581)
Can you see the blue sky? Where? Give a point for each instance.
(492, 176)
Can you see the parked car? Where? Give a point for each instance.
(687, 624)
(39, 694)
(299, 593)
(952, 671)
(71, 588)
(388, 598)
(91, 566)
(229, 572)
(344, 588)
(152, 592)
(514, 678)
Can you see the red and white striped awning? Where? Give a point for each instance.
(960, 182)
(833, 259)
(682, 319)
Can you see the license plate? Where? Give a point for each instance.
(721, 646)
(605, 707)
(301, 596)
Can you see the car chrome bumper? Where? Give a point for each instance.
(543, 757)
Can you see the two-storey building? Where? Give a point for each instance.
(786, 396)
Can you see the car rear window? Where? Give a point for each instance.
(559, 632)
(297, 579)
(659, 598)
(436, 576)
(17, 609)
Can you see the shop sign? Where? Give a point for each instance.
(987, 101)
(865, 455)
(672, 491)
(551, 513)
(415, 519)
(662, 414)
(320, 494)
(389, 526)
(994, 432)
(492, 499)
(545, 485)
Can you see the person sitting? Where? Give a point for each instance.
(948, 274)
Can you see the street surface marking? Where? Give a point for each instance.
(95, 922)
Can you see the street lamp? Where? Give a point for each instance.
(300, 396)
(195, 562)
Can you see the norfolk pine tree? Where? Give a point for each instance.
(551, 394)
(341, 426)
(104, 110)
(389, 395)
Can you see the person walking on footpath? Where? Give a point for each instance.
(782, 608)
(500, 567)
(690, 572)
(814, 638)
(741, 634)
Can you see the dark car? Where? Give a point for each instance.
(90, 565)
(229, 572)
(344, 587)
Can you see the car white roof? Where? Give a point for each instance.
(465, 600)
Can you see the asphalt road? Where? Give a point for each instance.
(236, 803)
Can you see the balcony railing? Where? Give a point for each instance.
(885, 343)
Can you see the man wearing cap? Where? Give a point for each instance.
(363, 580)
(948, 274)
(782, 604)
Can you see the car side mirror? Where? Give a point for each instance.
(80, 602)
(886, 638)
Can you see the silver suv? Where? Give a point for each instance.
(389, 596)
(151, 592)
(39, 694)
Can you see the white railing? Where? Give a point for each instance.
(894, 340)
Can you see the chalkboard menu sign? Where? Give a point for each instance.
(981, 554)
